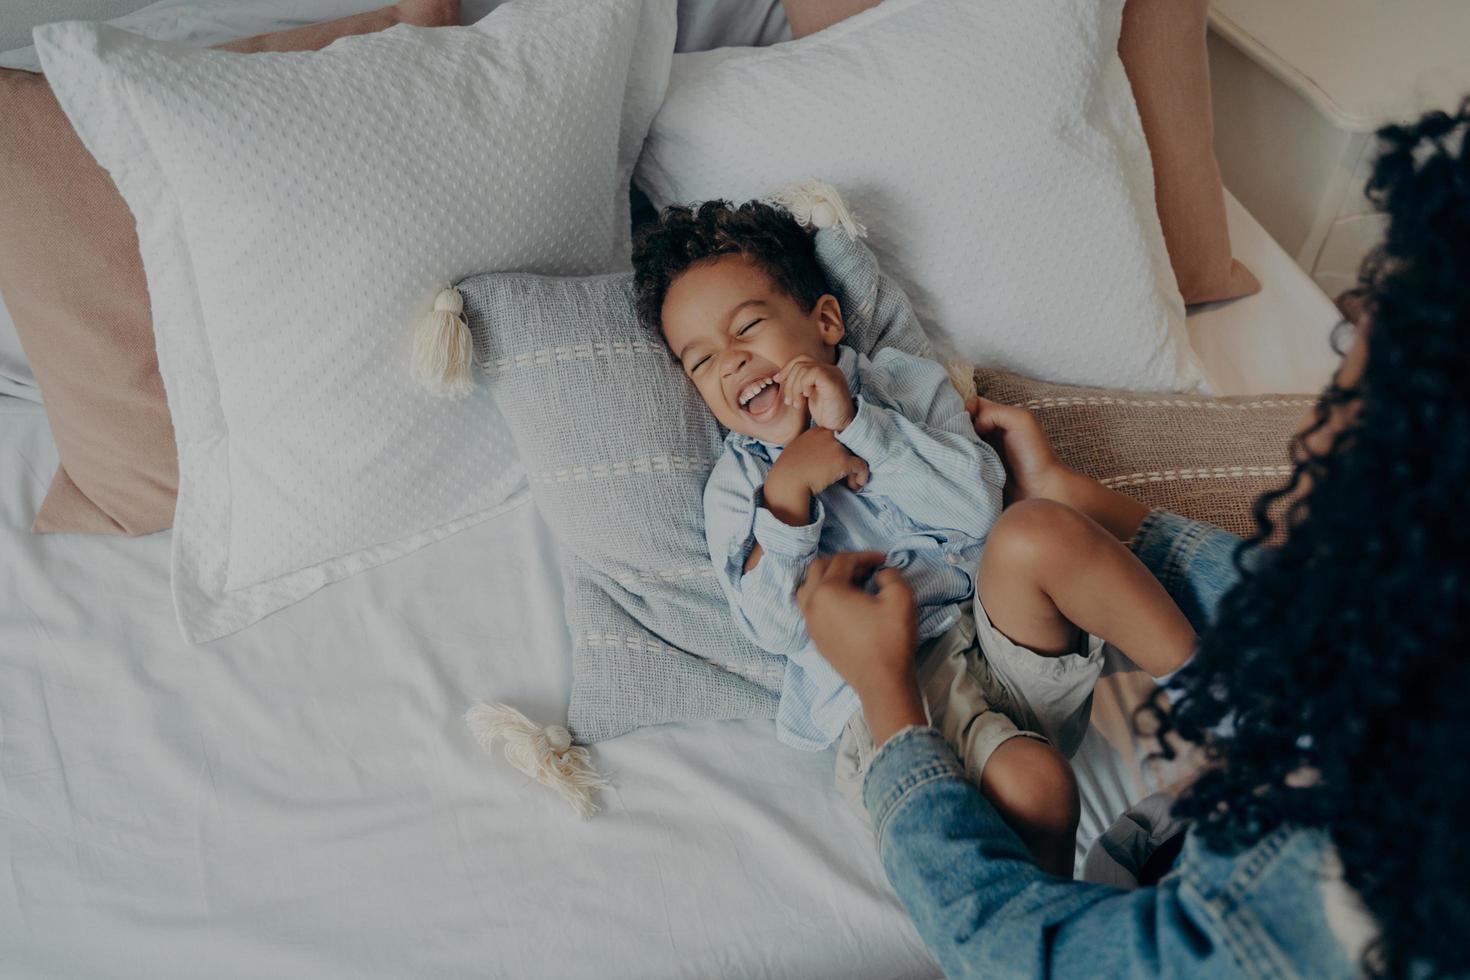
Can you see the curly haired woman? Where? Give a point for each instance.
(1327, 830)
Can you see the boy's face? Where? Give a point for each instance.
(732, 328)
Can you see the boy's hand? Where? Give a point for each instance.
(816, 460)
(823, 389)
(809, 464)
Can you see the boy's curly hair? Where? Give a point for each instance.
(685, 235)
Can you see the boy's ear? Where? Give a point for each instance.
(829, 319)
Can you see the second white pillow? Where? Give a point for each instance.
(994, 152)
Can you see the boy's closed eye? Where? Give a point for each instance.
(703, 360)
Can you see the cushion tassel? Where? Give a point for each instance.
(547, 754)
(443, 351)
(816, 204)
(962, 376)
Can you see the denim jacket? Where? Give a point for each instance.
(985, 909)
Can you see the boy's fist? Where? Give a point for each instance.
(817, 460)
(823, 389)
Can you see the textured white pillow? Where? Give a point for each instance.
(994, 151)
(296, 212)
(170, 20)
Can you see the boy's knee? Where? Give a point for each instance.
(1034, 533)
(1036, 790)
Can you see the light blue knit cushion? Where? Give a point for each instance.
(618, 445)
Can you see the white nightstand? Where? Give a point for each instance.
(1299, 88)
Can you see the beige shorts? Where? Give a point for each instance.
(981, 689)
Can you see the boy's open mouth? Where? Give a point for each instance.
(760, 398)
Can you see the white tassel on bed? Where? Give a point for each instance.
(443, 351)
(546, 754)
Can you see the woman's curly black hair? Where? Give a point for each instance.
(1344, 656)
(684, 236)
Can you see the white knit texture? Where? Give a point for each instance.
(298, 212)
(994, 152)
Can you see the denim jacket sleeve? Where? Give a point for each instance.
(984, 909)
(980, 903)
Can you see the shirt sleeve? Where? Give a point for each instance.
(985, 909)
(924, 454)
(762, 600)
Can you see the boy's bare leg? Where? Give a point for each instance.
(1035, 792)
(1119, 513)
(1049, 570)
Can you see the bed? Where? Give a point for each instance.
(302, 798)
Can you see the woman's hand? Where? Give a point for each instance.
(1035, 472)
(1024, 448)
(868, 639)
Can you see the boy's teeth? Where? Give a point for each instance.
(753, 389)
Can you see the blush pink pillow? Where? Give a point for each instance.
(73, 283)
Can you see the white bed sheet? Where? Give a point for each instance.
(302, 800)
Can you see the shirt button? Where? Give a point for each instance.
(954, 559)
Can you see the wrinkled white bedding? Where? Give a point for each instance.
(302, 800)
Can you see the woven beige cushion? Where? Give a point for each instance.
(1205, 458)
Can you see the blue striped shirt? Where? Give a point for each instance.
(933, 493)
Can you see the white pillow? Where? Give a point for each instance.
(296, 212)
(995, 154)
(200, 22)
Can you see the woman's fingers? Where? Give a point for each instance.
(990, 416)
(854, 566)
(893, 589)
(888, 578)
(815, 573)
(841, 570)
